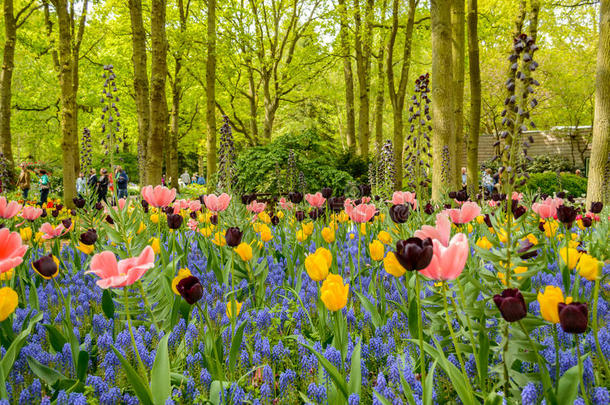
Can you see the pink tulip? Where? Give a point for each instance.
(11, 250)
(493, 204)
(194, 205)
(285, 204)
(365, 200)
(547, 208)
(403, 197)
(50, 232)
(256, 207)
(115, 274)
(159, 196)
(441, 232)
(192, 224)
(315, 200)
(517, 196)
(448, 261)
(466, 213)
(362, 213)
(217, 203)
(8, 209)
(31, 213)
(121, 203)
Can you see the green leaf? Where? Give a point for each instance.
(334, 374)
(140, 387)
(56, 338)
(493, 399)
(160, 383)
(372, 309)
(414, 317)
(382, 399)
(83, 363)
(215, 392)
(108, 304)
(429, 384)
(46, 374)
(355, 374)
(235, 346)
(568, 386)
(13, 351)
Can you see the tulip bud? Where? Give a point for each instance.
(399, 213)
(233, 236)
(414, 253)
(525, 249)
(46, 266)
(109, 220)
(596, 207)
(89, 237)
(326, 192)
(214, 219)
(573, 317)
(429, 209)
(79, 202)
(190, 289)
(300, 215)
(566, 214)
(174, 221)
(295, 197)
(67, 223)
(511, 305)
(99, 206)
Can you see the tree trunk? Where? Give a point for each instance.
(348, 77)
(68, 102)
(379, 98)
(397, 95)
(76, 42)
(140, 83)
(158, 101)
(252, 99)
(601, 122)
(475, 98)
(457, 22)
(442, 87)
(363, 61)
(210, 79)
(8, 63)
(271, 105)
(172, 167)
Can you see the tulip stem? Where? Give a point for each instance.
(505, 362)
(556, 340)
(580, 373)
(133, 340)
(421, 336)
(451, 332)
(472, 342)
(148, 307)
(595, 325)
(213, 332)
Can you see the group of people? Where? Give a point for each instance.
(24, 182)
(187, 179)
(102, 183)
(489, 180)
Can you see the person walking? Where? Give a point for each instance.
(45, 187)
(81, 185)
(464, 178)
(92, 181)
(201, 180)
(121, 182)
(102, 185)
(23, 182)
(186, 178)
(488, 181)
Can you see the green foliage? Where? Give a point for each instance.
(256, 166)
(539, 164)
(550, 182)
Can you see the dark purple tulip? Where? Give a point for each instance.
(596, 207)
(561, 194)
(79, 202)
(527, 250)
(67, 223)
(275, 220)
(145, 205)
(573, 317)
(168, 210)
(461, 196)
(46, 266)
(364, 189)
(174, 221)
(566, 214)
(336, 204)
(487, 220)
(326, 192)
(399, 213)
(59, 207)
(541, 226)
(518, 211)
(193, 214)
(233, 236)
(429, 209)
(295, 197)
(44, 214)
(190, 289)
(414, 253)
(214, 219)
(55, 213)
(89, 237)
(452, 194)
(99, 206)
(300, 215)
(109, 220)
(587, 222)
(511, 304)
(248, 198)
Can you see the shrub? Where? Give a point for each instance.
(550, 182)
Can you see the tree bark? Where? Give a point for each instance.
(348, 76)
(363, 62)
(68, 101)
(379, 98)
(397, 95)
(601, 122)
(158, 101)
(475, 98)
(210, 78)
(442, 87)
(457, 22)
(140, 83)
(8, 64)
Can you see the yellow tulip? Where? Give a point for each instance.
(480, 219)
(301, 236)
(256, 227)
(334, 293)
(201, 217)
(570, 256)
(516, 270)
(308, 228)
(8, 302)
(264, 217)
(207, 231)
(588, 267)
(141, 228)
(280, 214)
(237, 308)
(502, 236)
(484, 243)
(156, 245)
(363, 229)
(316, 266)
(352, 236)
(550, 228)
(343, 217)
(326, 254)
(86, 249)
(182, 274)
(470, 228)
(266, 234)
(26, 234)
(376, 250)
(328, 235)
(219, 239)
(392, 266)
(244, 251)
(154, 218)
(548, 303)
(7, 275)
(384, 237)
(533, 240)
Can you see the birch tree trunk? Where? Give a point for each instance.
(210, 79)
(442, 87)
(475, 99)
(140, 83)
(158, 101)
(601, 122)
(457, 22)
(348, 77)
